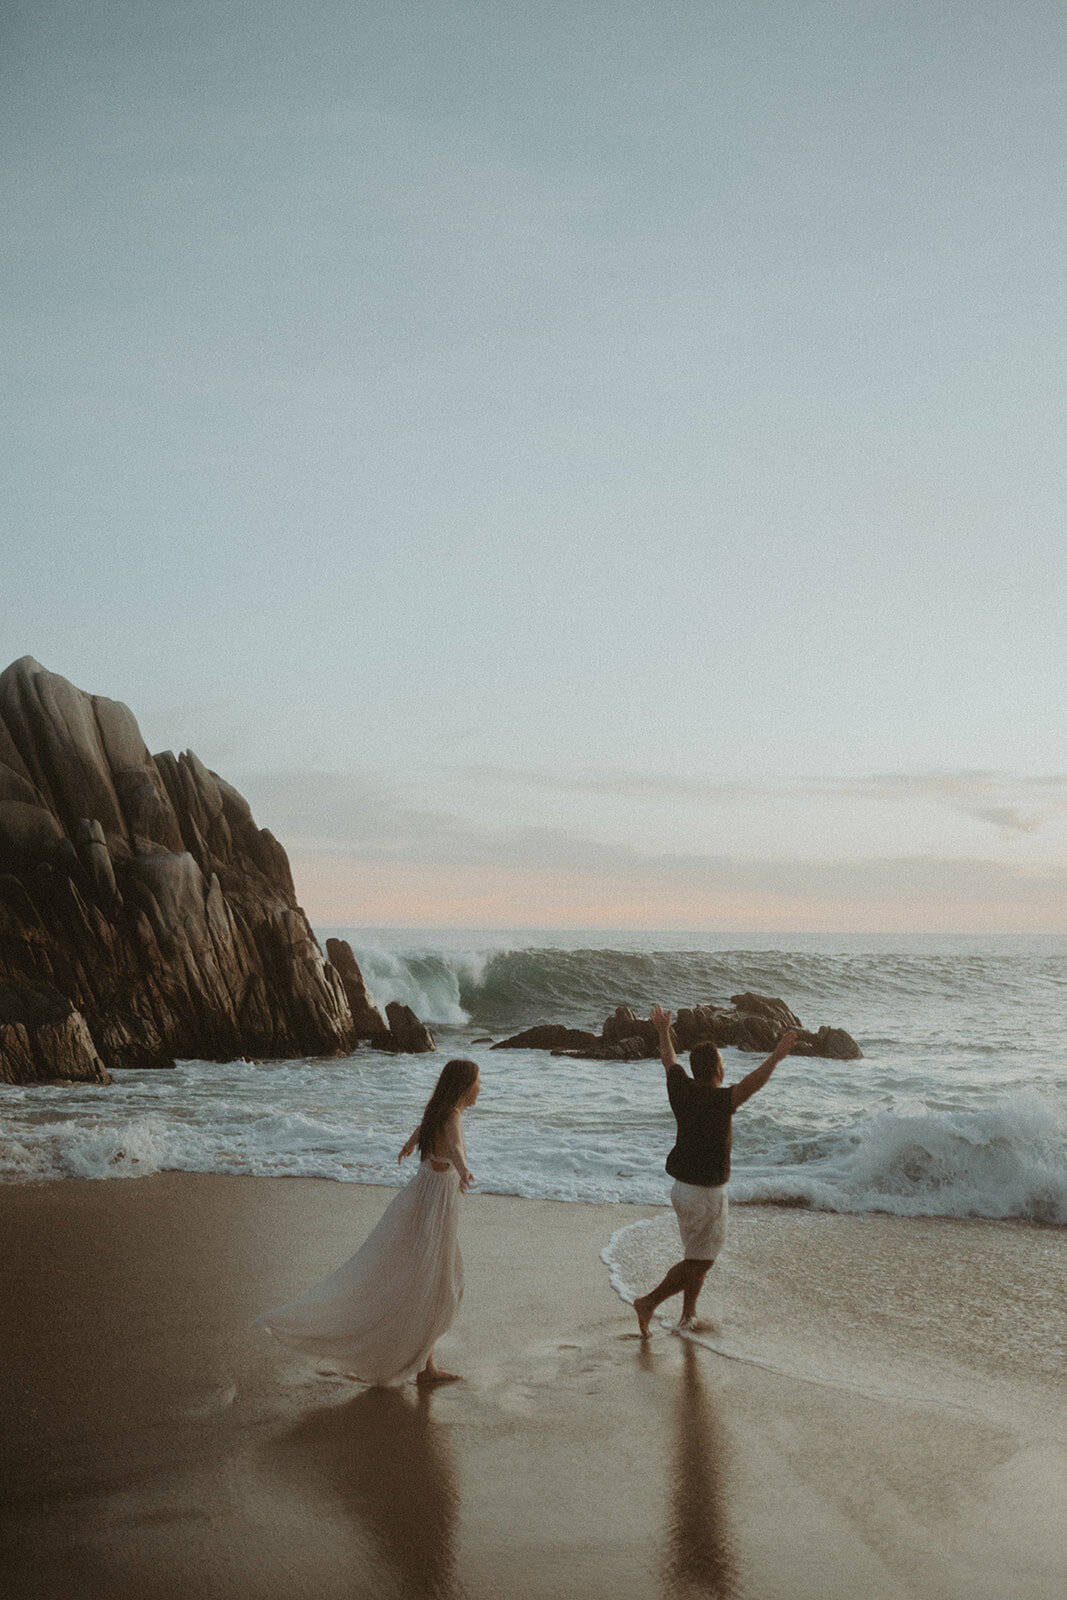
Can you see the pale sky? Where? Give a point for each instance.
(576, 464)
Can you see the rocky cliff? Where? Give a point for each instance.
(143, 914)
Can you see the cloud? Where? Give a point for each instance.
(364, 854)
(1011, 803)
(1019, 804)
(633, 785)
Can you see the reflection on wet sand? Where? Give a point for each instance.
(390, 1466)
(699, 1557)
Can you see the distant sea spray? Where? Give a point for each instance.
(432, 983)
(979, 999)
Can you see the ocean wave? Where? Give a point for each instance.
(1001, 1161)
(545, 1134)
(263, 1144)
(128, 1148)
(430, 982)
(990, 1001)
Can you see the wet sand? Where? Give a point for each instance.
(156, 1445)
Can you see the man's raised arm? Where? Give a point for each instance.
(756, 1079)
(661, 1021)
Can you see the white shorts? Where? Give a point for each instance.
(701, 1214)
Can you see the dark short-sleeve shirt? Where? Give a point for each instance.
(704, 1115)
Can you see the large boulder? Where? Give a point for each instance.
(695, 1024)
(636, 1034)
(834, 1044)
(755, 1023)
(139, 890)
(761, 1005)
(751, 1022)
(412, 1036)
(405, 1035)
(367, 1020)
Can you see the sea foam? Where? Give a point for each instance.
(958, 1107)
(1001, 1161)
(540, 1130)
(875, 1304)
(430, 983)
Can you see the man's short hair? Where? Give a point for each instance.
(705, 1060)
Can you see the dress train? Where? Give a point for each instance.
(379, 1315)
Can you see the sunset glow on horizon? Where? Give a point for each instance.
(503, 881)
(407, 896)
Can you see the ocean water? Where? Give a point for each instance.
(959, 1107)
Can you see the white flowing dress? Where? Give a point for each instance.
(378, 1317)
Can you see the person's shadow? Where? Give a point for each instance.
(699, 1557)
(382, 1456)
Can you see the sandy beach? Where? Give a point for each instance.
(157, 1445)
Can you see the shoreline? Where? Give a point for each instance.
(158, 1445)
(554, 1130)
(797, 1206)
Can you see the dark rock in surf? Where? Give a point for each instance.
(751, 1022)
(638, 1035)
(367, 1020)
(624, 1038)
(621, 1023)
(693, 1024)
(760, 1005)
(633, 1049)
(833, 1044)
(413, 1037)
(755, 1023)
(143, 914)
(551, 1036)
(405, 1035)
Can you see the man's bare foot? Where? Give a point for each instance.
(696, 1325)
(431, 1374)
(644, 1307)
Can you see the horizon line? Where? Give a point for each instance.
(734, 933)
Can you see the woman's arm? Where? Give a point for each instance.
(452, 1139)
(410, 1147)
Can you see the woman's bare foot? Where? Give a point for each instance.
(644, 1307)
(433, 1374)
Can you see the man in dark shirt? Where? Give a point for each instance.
(700, 1161)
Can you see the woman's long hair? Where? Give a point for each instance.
(456, 1078)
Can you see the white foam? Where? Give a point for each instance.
(640, 1254)
(1001, 1161)
(544, 1127)
(428, 983)
(767, 1303)
(71, 1149)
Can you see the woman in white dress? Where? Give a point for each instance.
(379, 1316)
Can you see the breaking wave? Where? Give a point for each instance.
(957, 1109)
(602, 1139)
(984, 999)
(1002, 1161)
